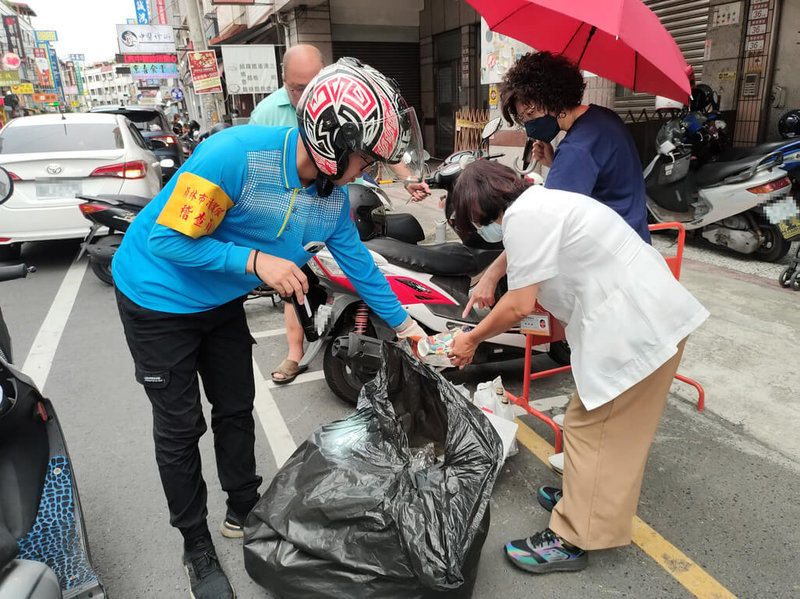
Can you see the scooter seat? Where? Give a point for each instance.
(441, 259)
(759, 150)
(715, 172)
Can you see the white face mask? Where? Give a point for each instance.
(491, 233)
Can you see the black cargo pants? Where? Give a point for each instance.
(169, 351)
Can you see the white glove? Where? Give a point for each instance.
(409, 329)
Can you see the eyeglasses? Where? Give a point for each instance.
(526, 115)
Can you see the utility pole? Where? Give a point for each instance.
(211, 103)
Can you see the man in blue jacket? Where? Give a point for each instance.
(241, 211)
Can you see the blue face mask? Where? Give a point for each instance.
(491, 233)
(544, 128)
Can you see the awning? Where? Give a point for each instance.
(227, 33)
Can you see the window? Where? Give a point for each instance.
(61, 137)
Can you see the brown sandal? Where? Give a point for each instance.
(288, 370)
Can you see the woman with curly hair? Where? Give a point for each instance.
(542, 92)
(627, 322)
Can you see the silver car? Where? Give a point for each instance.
(54, 157)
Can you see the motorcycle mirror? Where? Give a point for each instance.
(465, 160)
(6, 185)
(167, 163)
(491, 127)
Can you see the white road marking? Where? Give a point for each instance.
(269, 333)
(40, 358)
(277, 433)
(306, 377)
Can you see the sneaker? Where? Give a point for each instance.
(232, 526)
(546, 552)
(206, 577)
(548, 497)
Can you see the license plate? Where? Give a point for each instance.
(790, 228)
(780, 209)
(58, 189)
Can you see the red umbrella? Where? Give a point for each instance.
(621, 40)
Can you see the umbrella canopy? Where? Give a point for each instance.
(621, 40)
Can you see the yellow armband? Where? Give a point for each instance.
(196, 206)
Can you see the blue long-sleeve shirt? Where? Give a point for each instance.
(187, 251)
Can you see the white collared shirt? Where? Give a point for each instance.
(625, 311)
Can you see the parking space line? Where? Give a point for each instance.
(269, 333)
(306, 377)
(40, 358)
(696, 580)
(272, 423)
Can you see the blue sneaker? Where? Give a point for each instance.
(546, 552)
(548, 497)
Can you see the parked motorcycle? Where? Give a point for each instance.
(112, 214)
(740, 201)
(431, 281)
(44, 552)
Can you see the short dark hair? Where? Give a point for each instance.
(482, 191)
(549, 81)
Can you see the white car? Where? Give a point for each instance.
(54, 157)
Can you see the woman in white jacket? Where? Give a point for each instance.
(627, 319)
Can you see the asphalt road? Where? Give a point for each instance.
(715, 491)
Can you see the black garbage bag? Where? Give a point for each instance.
(392, 502)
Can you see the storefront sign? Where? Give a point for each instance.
(45, 98)
(9, 78)
(133, 39)
(22, 88)
(205, 73)
(146, 58)
(142, 16)
(250, 69)
(45, 36)
(13, 34)
(154, 70)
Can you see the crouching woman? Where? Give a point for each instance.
(627, 319)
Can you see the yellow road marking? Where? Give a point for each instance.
(696, 580)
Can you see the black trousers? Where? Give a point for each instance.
(169, 351)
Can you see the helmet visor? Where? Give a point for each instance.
(407, 159)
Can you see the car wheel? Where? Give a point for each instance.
(103, 272)
(11, 251)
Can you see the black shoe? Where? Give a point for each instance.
(206, 577)
(232, 526)
(548, 497)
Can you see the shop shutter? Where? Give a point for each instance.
(397, 60)
(687, 22)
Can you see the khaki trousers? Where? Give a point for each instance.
(605, 452)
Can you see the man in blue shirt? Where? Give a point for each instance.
(300, 65)
(239, 212)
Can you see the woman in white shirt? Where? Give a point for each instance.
(627, 319)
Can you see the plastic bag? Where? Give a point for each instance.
(348, 515)
(491, 398)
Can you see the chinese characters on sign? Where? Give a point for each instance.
(205, 73)
(250, 69)
(133, 39)
(159, 70)
(142, 16)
